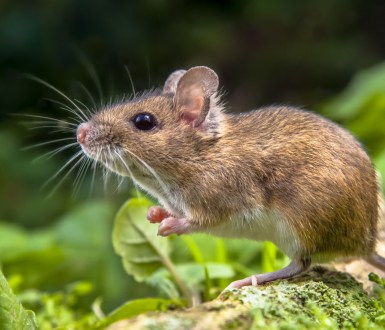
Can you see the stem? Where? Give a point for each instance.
(170, 266)
(182, 286)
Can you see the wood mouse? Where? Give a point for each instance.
(277, 173)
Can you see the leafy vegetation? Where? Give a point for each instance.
(198, 270)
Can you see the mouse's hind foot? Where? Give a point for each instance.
(294, 268)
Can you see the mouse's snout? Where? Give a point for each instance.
(82, 132)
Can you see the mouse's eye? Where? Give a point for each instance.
(144, 121)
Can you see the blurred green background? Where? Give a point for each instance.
(322, 55)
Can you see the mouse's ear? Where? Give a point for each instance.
(193, 94)
(172, 81)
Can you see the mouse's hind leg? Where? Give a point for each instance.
(297, 266)
(376, 260)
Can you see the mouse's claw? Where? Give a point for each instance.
(248, 281)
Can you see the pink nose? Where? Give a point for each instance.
(82, 132)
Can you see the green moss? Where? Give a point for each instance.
(320, 299)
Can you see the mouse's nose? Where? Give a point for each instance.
(82, 132)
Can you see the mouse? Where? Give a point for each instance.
(278, 173)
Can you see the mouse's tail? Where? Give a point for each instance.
(376, 260)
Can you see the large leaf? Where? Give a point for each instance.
(136, 240)
(12, 314)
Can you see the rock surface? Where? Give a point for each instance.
(319, 299)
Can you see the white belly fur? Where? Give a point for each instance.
(266, 225)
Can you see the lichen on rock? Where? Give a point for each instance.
(319, 299)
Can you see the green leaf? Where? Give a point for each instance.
(363, 86)
(361, 108)
(135, 240)
(194, 274)
(269, 255)
(12, 314)
(221, 255)
(136, 307)
(193, 247)
(207, 284)
(161, 281)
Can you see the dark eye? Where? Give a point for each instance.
(144, 121)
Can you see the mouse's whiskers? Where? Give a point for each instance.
(152, 171)
(85, 107)
(77, 119)
(106, 179)
(124, 163)
(94, 163)
(46, 119)
(53, 124)
(47, 142)
(90, 97)
(86, 162)
(114, 161)
(94, 77)
(61, 169)
(101, 158)
(79, 113)
(54, 152)
(54, 128)
(79, 157)
(131, 81)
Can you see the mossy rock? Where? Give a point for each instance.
(319, 299)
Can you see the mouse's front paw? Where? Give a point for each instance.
(157, 214)
(173, 225)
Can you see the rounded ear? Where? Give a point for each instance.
(193, 92)
(172, 81)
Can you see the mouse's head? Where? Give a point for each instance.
(154, 134)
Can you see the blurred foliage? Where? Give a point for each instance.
(298, 52)
(59, 310)
(77, 247)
